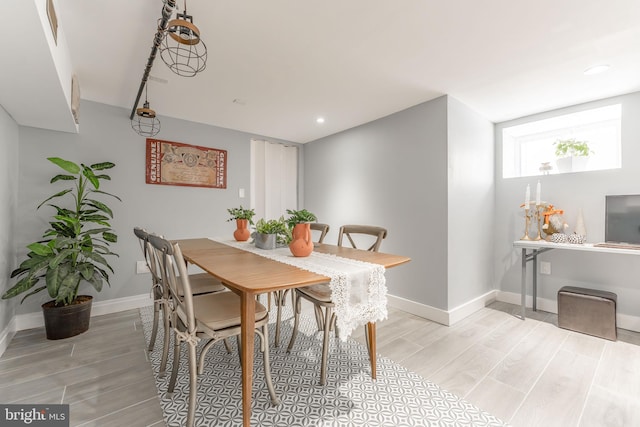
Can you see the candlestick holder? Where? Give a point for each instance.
(537, 213)
(527, 222)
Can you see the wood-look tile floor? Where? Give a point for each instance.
(527, 373)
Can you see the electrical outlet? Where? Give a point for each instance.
(141, 267)
(545, 267)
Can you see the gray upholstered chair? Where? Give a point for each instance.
(201, 283)
(359, 236)
(213, 316)
(280, 296)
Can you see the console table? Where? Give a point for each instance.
(537, 247)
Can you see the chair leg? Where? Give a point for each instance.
(280, 298)
(325, 344)
(296, 320)
(175, 366)
(319, 317)
(239, 343)
(267, 365)
(167, 337)
(227, 346)
(193, 384)
(154, 328)
(203, 353)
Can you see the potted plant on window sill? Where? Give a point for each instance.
(271, 233)
(71, 252)
(572, 155)
(243, 217)
(299, 221)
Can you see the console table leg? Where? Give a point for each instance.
(523, 284)
(534, 291)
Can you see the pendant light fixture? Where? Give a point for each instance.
(182, 49)
(145, 122)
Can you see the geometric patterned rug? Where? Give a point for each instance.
(398, 397)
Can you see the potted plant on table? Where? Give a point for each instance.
(71, 252)
(572, 155)
(271, 233)
(299, 221)
(243, 217)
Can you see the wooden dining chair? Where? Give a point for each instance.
(280, 296)
(201, 283)
(360, 237)
(213, 317)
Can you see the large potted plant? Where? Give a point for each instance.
(71, 252)
(243, 217)
(299, 221)
(572, 155)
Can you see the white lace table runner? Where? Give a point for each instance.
(358, 288)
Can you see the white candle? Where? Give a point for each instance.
(538, 188)
(527, 197)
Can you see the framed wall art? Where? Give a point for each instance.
(175, 163)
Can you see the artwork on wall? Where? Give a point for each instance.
(175, 163)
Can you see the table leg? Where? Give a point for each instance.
(371, 334)
(523, 284)
(247, 335)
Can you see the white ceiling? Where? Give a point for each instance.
(289, 61)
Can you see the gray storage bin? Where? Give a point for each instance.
(588, 311)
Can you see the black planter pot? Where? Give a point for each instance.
(68, 320)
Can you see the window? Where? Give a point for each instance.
(530, 149)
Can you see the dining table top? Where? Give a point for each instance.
(246, 271)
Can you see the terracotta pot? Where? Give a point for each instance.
(242, 233)
(301, 244)
(68, 320)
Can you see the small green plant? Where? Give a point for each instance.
(274, 226)
(299, 217)
(241, 213)
(572, 147)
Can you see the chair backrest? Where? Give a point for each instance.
(174, 274)
(143, 239)
(352, 231)
(322, 228)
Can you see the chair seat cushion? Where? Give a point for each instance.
(319, 292)
(203, 283)
(222, 310)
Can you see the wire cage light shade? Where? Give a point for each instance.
(182, 49)
(145, 122)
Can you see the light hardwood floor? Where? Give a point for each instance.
(527, 373)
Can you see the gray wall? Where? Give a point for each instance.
(586, 190)
(471, 200)
(394, 172)
(8, 198)
(177, 212)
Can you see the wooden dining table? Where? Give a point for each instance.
(249, 275)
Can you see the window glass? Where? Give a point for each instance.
(578, 142)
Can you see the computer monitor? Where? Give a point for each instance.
(622, 219)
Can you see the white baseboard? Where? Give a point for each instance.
(624, 321)
(35, 320)
(444, 317)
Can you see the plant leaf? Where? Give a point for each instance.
(110, 237)
(100, 206)
(33, 292)
(23, 285)
(97, 258)
(108, 194)
(96, 281)
(40, 249)
(65, 164)
(59, 194)
(102, 166)
(68, 287)
(87, 172)
(62, 178)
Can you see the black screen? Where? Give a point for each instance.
(622, 219)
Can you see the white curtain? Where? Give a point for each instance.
(274, 179)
